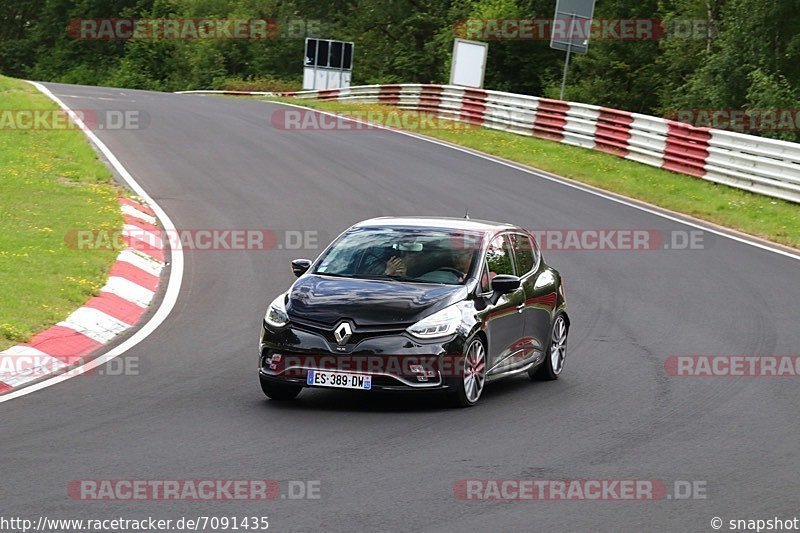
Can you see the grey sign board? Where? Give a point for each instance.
(571, 25)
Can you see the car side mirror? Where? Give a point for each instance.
(300, 266)
(504, 284)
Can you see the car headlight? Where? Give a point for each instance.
(439, 324)
(276, 316)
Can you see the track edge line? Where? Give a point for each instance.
(175, 275)
(675, 216)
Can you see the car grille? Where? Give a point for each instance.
(359, 332)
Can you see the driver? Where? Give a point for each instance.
(406, 260)
(462, 259)
(396, 266)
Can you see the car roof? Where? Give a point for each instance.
(437, 222)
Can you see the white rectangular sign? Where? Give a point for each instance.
(469, 63)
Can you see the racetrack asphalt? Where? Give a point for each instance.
(195, 409)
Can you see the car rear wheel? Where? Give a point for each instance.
(278, 391)
(553, 364)
(473, 376)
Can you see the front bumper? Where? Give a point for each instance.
(396, 361)
(377, 385)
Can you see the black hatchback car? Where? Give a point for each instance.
(417, 304)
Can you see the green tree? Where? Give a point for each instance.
(754, 34)
(617, 73)
(772, 93)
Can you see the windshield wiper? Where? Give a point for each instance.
(378, 276)
(358, 276)
(392, 278)
(385, 277)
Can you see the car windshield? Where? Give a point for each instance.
(423, 255)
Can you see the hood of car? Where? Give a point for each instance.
(368, 302)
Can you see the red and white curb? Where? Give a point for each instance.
(126, 296)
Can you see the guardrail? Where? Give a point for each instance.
(756, 164)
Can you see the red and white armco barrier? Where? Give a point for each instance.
(130, 288)
(760, 165)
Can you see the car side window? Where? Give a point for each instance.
(524, 253)
(486, 285)
(499, 257)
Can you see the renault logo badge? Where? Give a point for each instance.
(343, 332)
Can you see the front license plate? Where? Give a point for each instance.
(339, 380)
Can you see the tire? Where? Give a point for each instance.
(278, 391)
(556, 353)
(470, 385)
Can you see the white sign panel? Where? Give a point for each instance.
(327, 64)
(469, 63)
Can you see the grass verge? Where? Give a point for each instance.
(51, 183)
(760, 216)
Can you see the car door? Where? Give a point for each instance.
(539, 297)
(504, 318)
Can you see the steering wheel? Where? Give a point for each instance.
(452, 270)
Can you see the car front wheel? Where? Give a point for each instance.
(553, 364)
(473, 375)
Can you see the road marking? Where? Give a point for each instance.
(132, 211)
(703, 225)
(140, 261)
(147, 238)
(125, 288)
(95, 324)
(175, 278)
(25, 361)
